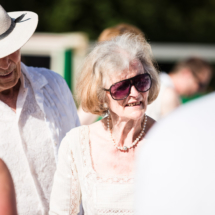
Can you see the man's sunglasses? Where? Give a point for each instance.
(121, 90)
(201, 86)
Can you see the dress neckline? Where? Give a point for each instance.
(89, 161)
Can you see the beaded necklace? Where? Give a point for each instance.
(125, 148)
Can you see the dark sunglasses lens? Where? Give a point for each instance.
(120, 90)
(202, 87)
(143, 82)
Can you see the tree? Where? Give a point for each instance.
(165, 21)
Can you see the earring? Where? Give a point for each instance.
(105, 105)
(108, 112)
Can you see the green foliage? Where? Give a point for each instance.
(161, 20)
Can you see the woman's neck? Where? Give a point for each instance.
(125, 132)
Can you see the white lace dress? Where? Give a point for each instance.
(76, 180)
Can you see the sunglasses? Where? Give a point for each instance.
(201, 86)
(121, 89)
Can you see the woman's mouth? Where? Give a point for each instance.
(134, 104)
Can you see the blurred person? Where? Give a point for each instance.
(7, 192)
(36, 111)
(122, 28)
(186, 79)
(96, 162)
(175, 168)
(87, 118)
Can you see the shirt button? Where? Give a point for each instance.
(55, 143)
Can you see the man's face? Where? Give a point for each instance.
(199, 82)
(194, 83)
(10, 70)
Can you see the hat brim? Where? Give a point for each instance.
(20, 34)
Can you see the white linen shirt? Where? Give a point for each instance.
(30, 138)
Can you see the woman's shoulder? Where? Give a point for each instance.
(75, 141)
(75, 135)
(77, 130)
(97, 124)
(97, 128)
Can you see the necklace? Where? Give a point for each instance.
(125, 148)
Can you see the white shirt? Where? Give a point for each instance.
(29, 138)
(176, 167)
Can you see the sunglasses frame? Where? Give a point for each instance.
(131, 84)
(201, 86)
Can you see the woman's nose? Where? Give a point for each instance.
(133, 91)
(4, 63)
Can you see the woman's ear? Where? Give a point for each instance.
(105, 105)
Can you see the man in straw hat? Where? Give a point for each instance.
(36, 111)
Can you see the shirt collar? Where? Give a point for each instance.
(22, 79)
(36, 79)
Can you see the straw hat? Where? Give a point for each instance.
(16, 28)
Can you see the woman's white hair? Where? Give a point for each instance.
(111, 58)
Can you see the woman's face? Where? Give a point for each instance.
(134, 106)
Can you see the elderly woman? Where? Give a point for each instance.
(96, 162)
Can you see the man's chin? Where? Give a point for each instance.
(8, 86)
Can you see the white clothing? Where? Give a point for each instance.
(75, 179)
(29, 138)
(154, 110)
(176, 167)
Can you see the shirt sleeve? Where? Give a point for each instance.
(59, 85)
(66, 194)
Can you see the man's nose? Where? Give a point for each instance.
(4, 63)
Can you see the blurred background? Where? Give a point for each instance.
(175, 29)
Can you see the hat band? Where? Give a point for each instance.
(12, 26)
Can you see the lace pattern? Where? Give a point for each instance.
(90, 176)
(74, 200)
(114, 212)
(117, 180)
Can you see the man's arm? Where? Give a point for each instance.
(7, 192)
